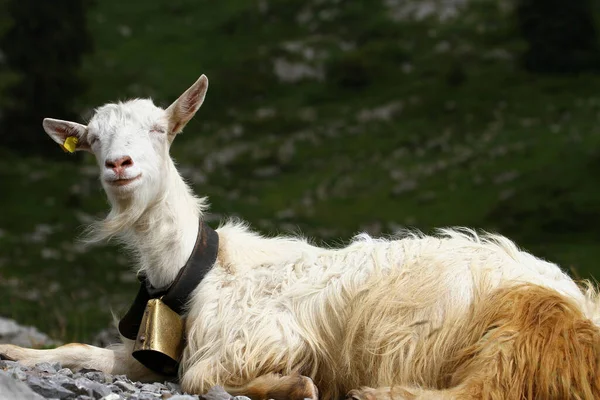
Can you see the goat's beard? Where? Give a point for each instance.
(126, 213)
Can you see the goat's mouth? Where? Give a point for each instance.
(123, 181)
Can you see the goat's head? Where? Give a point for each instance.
(131, 141)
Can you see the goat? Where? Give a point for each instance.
(455, 315)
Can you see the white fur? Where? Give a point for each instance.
(296, 297)
(281, 304)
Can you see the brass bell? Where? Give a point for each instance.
(160, 339)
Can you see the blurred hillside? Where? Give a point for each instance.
(323, 117)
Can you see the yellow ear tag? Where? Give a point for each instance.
(70, 144)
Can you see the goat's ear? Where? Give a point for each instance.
(183, 109)
(60, 130)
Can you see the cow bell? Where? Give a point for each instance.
(160, 339)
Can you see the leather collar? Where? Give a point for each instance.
(177, 294)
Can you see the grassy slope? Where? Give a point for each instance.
(467, 139)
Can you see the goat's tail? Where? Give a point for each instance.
(528, 342)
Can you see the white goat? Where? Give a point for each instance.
(455, 316)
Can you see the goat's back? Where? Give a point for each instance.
(377, 312)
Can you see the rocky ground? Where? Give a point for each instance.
(51, 381)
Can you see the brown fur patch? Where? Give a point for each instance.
(521, 342)
(532, 343)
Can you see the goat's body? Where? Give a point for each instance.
(371, 314)
(451, 317)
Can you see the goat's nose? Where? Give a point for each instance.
(120, 164)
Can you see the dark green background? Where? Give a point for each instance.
(397, 122)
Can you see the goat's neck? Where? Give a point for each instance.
(164, 236)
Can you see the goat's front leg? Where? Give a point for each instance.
(116, 360)
(204, 375)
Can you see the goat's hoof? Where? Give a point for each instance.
(276, 387)
(7, 358)
(294, 387)
(385, 393)
(7, 352)
(305, 389)
(315, 391)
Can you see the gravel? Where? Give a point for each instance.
(51, 381)
(12, 389)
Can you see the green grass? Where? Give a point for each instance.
(473, 140)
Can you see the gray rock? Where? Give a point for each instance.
(85, 386)
(48, 388)
(46, 367)
(217, 393)
(17, 373)
(99, 390)
(173, 387)
(183, 397)
(77, 386)
(86, 370)
(122, 378)
(112, 396)
(114, 388)
(125, 386)
(65, 372)
(25, 336)
(148, 396)
(98, 376)
(149, 387)
(60, 380)
(241, 398)
(4, 364)
(11, 389)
